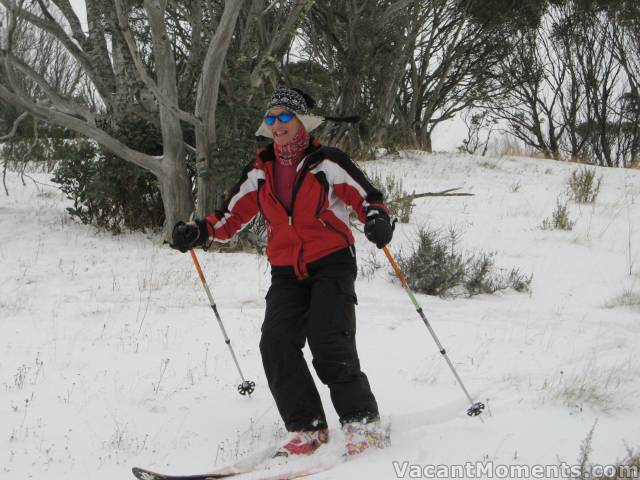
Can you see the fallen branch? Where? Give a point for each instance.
(444, 193)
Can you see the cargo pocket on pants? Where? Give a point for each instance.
(349, 300)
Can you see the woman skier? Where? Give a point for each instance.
(303, 189)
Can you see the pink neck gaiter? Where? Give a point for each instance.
(284, 169)
(292, 152)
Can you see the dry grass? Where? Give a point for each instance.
(628, 298)
(507, 146)
(592, 386)
(625, 469)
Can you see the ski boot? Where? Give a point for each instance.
(360, 436)
(303, 442)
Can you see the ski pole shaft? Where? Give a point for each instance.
(245, 386)
(476, 407)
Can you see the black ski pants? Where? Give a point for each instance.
(321, 310)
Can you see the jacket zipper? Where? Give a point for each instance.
(298, 183)
(296, 186)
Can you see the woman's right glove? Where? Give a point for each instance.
(378, 228)
(186, 236)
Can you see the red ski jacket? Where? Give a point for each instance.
(327, 181)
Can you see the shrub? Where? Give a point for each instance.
(584, 468)
(38, 148)
(436, 267)
(369, 265)
(583, 186)
(433, 268)
(399, 202)
(482, 277)
(628, 298)
(251, 238)
(559, 218)
(109, 192)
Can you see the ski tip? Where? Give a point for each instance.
(136, 472)
(142, 474)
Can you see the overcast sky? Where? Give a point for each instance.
(79, 7)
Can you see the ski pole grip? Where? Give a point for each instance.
(198, 268)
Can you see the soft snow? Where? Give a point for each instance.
(110, 356)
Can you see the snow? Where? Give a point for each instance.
(110, 356)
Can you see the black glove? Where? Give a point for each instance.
(378, 228)
(186, 236)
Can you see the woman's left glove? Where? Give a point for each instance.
(186, 236)
(378, 228)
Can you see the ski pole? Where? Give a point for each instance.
(246, 387)
(475, 408)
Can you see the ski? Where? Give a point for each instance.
(285, 475)
(142, 474)
(246, 465)
(253, 467)
(258, 473)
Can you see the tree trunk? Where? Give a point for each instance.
(342, 135)
(175, 188)
(426, 143)
(206, 103)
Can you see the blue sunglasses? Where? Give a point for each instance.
(284, 117)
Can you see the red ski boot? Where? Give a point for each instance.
(303, 443)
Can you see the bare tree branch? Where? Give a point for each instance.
(169, 103)
(206, 102)
(280, 41)
(63, 104)
(74, 22)
(14, 129)
(148, 162)
(103, 84)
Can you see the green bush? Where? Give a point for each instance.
(399, 202)
(109, 192)
(436, 267)
(38, 149)
(433, 267)
(559, 218)
(252, 238)
(583, 186)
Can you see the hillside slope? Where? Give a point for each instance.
(110, 356)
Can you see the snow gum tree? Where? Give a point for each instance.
(405, 66)
(162, 63)
(570, 84)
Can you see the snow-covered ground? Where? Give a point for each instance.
(110, 356)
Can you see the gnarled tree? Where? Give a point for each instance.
(162, 62)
